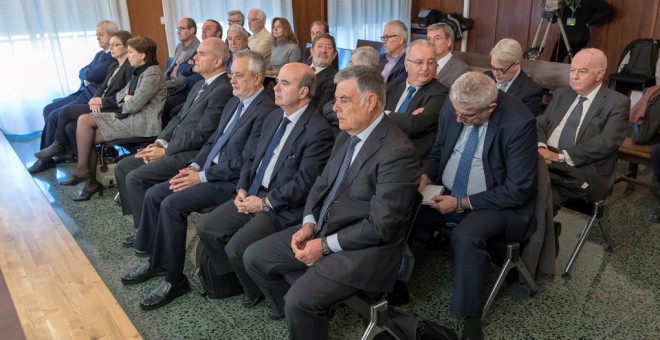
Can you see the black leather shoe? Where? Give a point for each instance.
(128, 242)
(163, 294)
(55, 149)
(41, 165)
(141, 273)
(250, 302)
(399, 295)
(654, 215)
(74, 180)
(274, 315)
(85, 194)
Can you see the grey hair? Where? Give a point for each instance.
(256, 64)
(110, 27)
(326, 27)
(598, 55)
(507, 50)
(418, 42)
(449, 32)
(260, 14)
(400, 28)
(473, 90)
(239, 13)
(368, 80)
(235, 28)
(367, 56)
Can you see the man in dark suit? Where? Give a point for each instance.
(271, 190)
(450, 67)
(182, 138)
(353, 231)
(414, 104)
(325, 51)
(577, 18)
(317, 28)
(582, 129)
(209, 180)
(395, 38)
(505, 64)
(485, 157)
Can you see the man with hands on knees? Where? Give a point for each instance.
(355, 217)
(485, 157)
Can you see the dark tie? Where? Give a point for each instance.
(343, 169)
(201, 90)
(259, 177)
(568, 134)
(406, 102)
(459, 189)
(224, 137)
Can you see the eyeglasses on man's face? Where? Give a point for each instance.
(385, 38)
(502, 70)
(420, 62)
(179, 29)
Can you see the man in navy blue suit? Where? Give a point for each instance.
(395, 38)
(91, 76)
(485, 156)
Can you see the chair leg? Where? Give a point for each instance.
(608, 245)
(380, 322)
(498, 284)
(581, 239)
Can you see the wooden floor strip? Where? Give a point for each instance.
(56, 292)
(9, 323)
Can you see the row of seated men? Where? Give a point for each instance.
(281, 193)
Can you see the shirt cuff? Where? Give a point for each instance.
(333, 243)
(310, 219)
(162, 142)
(567, 158)
(202, 177)
(542, 145)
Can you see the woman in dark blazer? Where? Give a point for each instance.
(140, 104)
(118, 76)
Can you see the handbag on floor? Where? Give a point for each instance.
(214, 286)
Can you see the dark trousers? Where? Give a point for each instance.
(226, 234)
(305, 304)
(655, 161)
(51, 114)
(134, 178)
(164, 220)
(468, 242)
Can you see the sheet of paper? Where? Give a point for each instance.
(430, 191)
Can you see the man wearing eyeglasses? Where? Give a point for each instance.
(484, 155)
(395, 37)
(505, 65)
(260, 41)
(414, 103)
(450, 67)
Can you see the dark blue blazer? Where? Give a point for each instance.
(509, 158)
(398, 72)
(95, 72)
(242, 142)
(325, 88)
(526, 90)
(301, 160)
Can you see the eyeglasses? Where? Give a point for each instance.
(115, 45)
(419, 63)
(435, 38)
(470, 117)
(253, 19)
(388, 37)
(179, 29)
(234, 22)
(502, 70)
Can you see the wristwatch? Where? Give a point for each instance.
(264, 206)
(325, 247)
(459, 205)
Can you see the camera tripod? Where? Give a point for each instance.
(551, 15)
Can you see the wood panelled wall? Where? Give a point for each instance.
(519, 19)
(149, 24)
(304, 13)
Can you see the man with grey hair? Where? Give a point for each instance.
(352, 232)
(204, 182)
(395, 38)
(485, 157)
(505, 60)
(414, 103)
(260, 41)
(235, 17)
(317, 28)
(450, 67)
(91, 76)
(237, 39)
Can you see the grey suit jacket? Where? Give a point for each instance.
(372, 208)
(451, 71)
(419, 128)
(197, 120)
(146, 104)
(179, 82)
(602, 131)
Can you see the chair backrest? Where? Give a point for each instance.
(640, 57)
(344, 57)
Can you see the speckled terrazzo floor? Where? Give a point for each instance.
(611, 296)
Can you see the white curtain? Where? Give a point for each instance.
(200, 10)
(44, 44)
(351, 20)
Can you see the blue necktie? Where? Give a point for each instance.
(201, 90)
(343, 170)
(568, 134)
(224, 137)
(406, 102)
(259, 177)
(459, 189)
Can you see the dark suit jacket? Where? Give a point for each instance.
(526, 90)
(197, 119)
(601, 133)
(422, 128)
(118, 83)
(242, 142)
(509, 159)
(591, 13)
(453, 69)
(301, 160)
(331, 116)
(398, 72)
(325, 88)
(95, 72)
(372, 208)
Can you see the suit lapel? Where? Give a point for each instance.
(491, 131)
(290, 140)
(562, 109)
(599, 100)
(397, 90)
(445, 69)
(267, 132)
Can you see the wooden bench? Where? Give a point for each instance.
(635, 155)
